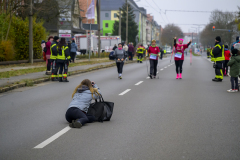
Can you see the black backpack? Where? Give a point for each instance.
(101, 110)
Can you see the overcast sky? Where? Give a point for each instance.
(187, 5)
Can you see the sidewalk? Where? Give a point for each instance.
(14, 79)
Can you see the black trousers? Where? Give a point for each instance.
(63, 68)
(179, 65)
(72, 55)
(120, 67)
(234, 82)
(50, 64)
(75, 113)
(130, 54)
(153, 67)
(225, 67)
(218, 70)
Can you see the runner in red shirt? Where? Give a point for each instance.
(153, 52)
(179, 55)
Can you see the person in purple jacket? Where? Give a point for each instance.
(130, 51)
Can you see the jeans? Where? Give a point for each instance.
(120, 67)
(75, 113)
(234, 80)
(179, 64)
(153, 67)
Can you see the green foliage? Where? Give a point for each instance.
(132, 25)
(19, 35)
(6, 51)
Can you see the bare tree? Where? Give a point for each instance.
(221, 20)
(169, 32)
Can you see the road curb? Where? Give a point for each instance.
(42, 80)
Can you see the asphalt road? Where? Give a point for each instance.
(160, 119)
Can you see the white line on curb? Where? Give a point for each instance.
(51, 139)
(138, 83)
(121, 94)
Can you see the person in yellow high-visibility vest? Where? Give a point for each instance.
(53, 56)
(208, 51)
(140, 52)
(219, 58)
(62, 60)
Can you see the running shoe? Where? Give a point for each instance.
(120, 77)
(150, 76)
(231, 90)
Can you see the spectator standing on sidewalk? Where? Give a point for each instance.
(48, 53)
(125, 47)
(234, 64)
(73, 50)
(130, 51)
(227, 55)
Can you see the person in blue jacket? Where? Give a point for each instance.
(237, 41)
(73, 51)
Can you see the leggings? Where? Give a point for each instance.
(75, 113)
(234, 82)
(120, 67)
(225, 67)
(179, 64)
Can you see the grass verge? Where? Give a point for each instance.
(9, 74)
(195, 54)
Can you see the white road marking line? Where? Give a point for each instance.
(54, 137)
(138, 83)
(121, 94)
(169, 65)
(162, 69)
(157, 72)
(147, 77)
(165, 67)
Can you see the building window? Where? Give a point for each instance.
(106, 25)
(106, 15)
(115, 15)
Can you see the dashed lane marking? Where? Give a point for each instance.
(121, 94)
(138, 83)
(51, 139)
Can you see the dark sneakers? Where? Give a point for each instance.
(217, 80)
(75, 124)
(65, 80)
(150, 76)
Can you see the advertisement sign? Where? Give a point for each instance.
(65, 35)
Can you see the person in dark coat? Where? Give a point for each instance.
(130, 51)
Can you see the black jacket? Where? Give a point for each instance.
(217, 52)
(54, 48)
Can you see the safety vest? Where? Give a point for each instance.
(52, 56)
(61, 53)
(140, 50)
(220, 57)
(165, 51)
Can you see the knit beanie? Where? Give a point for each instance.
(218, 38)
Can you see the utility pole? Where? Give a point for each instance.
(120, 24)
(127, 25)
(99, 27)
(31, 33)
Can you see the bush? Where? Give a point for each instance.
(19, 35)
(7, 52)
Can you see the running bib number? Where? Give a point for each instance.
(153, 56)
(178, 55)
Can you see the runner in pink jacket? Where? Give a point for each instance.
(179, 55)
